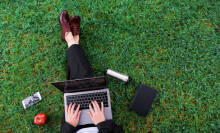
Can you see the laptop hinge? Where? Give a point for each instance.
(71, 90)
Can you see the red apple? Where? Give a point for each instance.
(40, 119)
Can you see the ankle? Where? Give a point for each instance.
(70, 43)
(76, 38)
(69, 39)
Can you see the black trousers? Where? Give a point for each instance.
(78, 64)
(78, 67)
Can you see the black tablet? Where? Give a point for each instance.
(143, 100)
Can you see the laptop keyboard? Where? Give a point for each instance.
(85, 99)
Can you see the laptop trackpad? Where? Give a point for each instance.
(85, 118)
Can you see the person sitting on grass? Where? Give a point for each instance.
(79, 67)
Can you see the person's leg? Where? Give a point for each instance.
(78, 64)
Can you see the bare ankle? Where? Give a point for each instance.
(76, 38)
(69, 39)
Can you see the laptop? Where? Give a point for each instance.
(83, 92)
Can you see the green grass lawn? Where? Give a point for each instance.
(172, 46)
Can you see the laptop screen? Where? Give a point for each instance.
(85, 84)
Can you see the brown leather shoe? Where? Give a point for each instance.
(75, 24)
(64, 23)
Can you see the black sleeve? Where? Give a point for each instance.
(66, 127)
(108, 126)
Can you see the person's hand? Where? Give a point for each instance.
(96, 114)
(72, 116)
